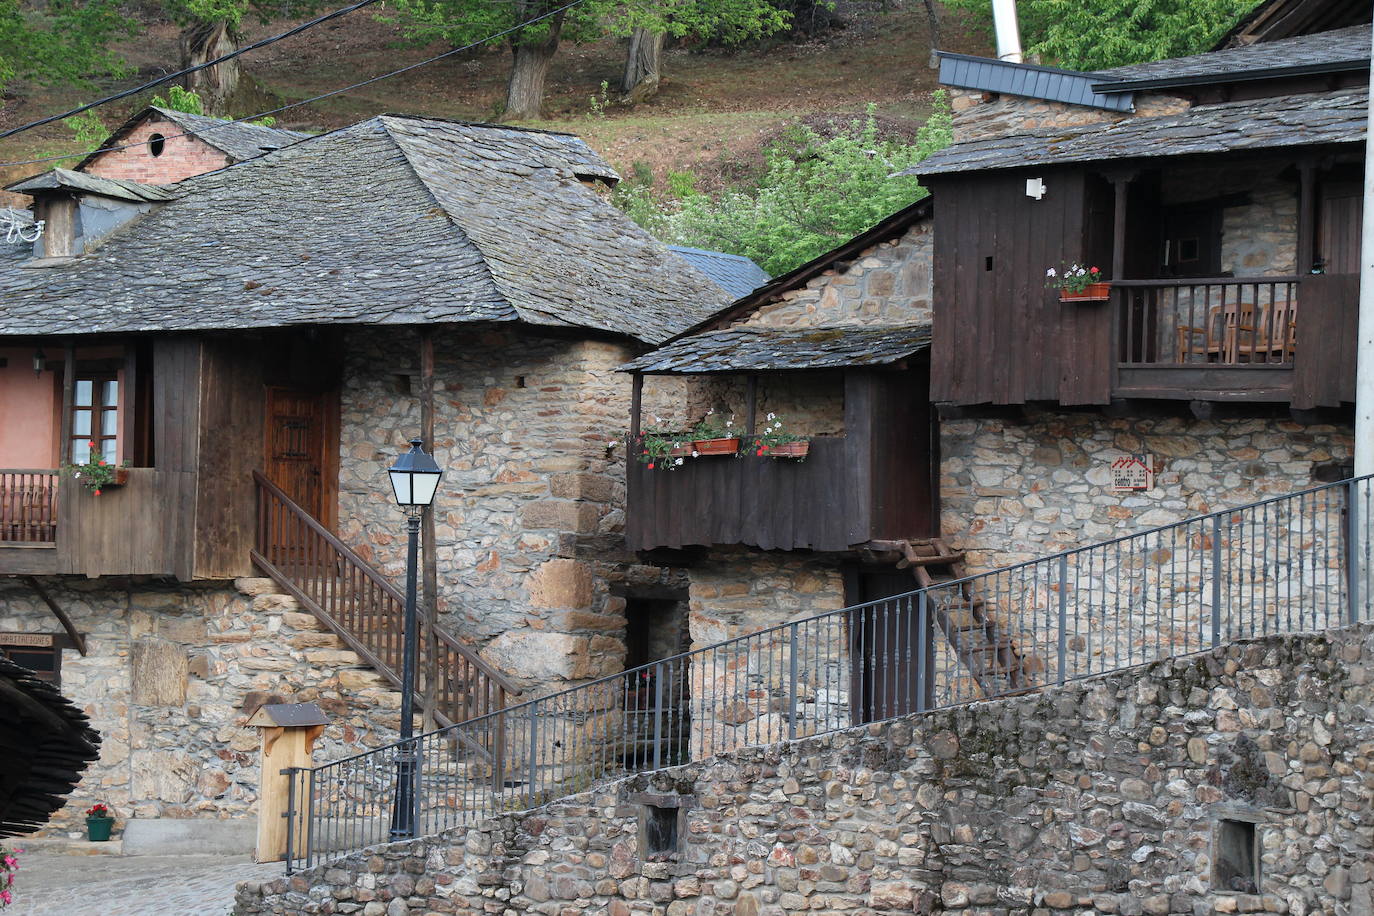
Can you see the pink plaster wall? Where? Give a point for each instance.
(28, 415)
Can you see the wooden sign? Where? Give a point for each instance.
(1133, 473)
(42, 640)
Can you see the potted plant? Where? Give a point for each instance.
(661, 448)
(97, 474)
(711, 436)
(774, 442)
(9, 864)
(1077, 283)
(98, 822)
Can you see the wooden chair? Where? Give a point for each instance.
(1216, 341)
(1274, 339)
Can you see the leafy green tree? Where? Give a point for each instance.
(815, 194)
(60, 41)
(1098, 34)
(533, 46)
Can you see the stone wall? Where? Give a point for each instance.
(1259, 237)
(979, 115)
(181, 157)
(1120, 794)
(887, 284)
(529, 431)
(1014, 490)
(171, 673)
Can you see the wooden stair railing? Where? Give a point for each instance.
(363, 609)
(991, 658)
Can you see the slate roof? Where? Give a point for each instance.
(991, 75)
(734, 273)
(1301, 120)
(759, 349)
(395, 220)
(1277, 19)
(1345, 48)
(119, 188)
(238, 141)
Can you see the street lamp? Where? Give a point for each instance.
(414, 479)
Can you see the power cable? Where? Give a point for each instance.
(324, 95)
(262, 43)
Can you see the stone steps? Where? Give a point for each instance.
(320, 645)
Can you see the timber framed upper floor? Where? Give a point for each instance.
(1220, 195)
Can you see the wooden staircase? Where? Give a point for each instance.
(986, 652)
(366, 612)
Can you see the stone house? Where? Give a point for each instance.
(1219, 193)
(252, 348)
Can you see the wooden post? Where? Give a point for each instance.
(289, 732)
(68, 386)
(429, 570)
(636, 405)
(1306, 216)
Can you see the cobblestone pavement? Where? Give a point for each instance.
(52, 884)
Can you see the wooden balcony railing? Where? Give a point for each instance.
(28, 506)
(1207, 322)
(365, 610)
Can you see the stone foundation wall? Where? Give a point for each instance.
(1103, 796)
(529, 431)
(1014, 490)
(171, 673)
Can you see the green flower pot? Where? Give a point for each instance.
(98, 828)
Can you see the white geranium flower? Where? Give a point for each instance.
(1051, 273)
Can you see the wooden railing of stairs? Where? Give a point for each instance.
(363, 609)
(988, 654)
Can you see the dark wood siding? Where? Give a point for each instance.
(1001, 336)
(230, 432)
(1328, 328)
(873, 482)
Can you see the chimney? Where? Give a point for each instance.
(1008, 31)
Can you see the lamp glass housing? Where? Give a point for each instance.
(415, 477)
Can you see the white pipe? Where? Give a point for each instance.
(1008, 32)
(1364, 340)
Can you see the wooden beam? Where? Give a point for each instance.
(1306, 216)
(636, 408)
(429, 563)
(127, 404)
(77, 639)
(68, 385)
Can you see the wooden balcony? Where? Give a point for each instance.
(1274, 339)
(51, 526)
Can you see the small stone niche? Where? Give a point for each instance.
(1235, 859)
(662, 824)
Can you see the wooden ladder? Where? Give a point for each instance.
(988, 654)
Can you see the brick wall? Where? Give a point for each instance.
(1106, 795)
(181, 157)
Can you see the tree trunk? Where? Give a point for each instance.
(642, 66)
(933, 16)
(218, 84)
(525, 91)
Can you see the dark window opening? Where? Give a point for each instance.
(1188, 250)
(156, 144)
(987, 263)
(44, 661)
(1237, 865)
(519, 381)
(660, 830)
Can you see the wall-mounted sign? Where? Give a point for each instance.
(43, 640)
(1133, 472)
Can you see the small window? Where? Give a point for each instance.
(156, 144)
(95, 419)
(1189, 250)
(44, 661)
(660, 830)
(1237, 865)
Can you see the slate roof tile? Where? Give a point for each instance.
(758, 349)
(391, 221)
(736, 274)
(1299, 120)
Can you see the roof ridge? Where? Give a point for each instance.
(482, 124)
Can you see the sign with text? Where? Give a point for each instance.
(1133, 472)
(43, 640)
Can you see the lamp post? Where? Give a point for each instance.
(414, 479)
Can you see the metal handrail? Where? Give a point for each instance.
(1289, 563)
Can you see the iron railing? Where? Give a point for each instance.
(1297, 562)
(28, 506)
(1222, 321)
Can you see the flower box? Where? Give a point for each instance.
(1093, 292)
(787, 449)
(728, 445)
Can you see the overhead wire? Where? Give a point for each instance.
(272, 111)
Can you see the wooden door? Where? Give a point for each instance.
(1338, 227)
(298, 423)
(886, 678)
